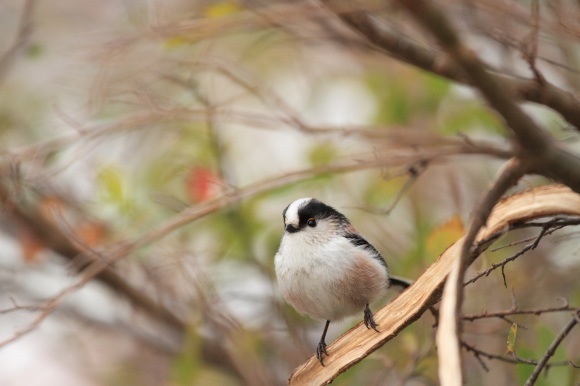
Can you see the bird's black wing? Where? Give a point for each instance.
(400, 281)
(360, 241)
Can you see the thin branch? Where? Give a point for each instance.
(514, 243)
(557, 222)
(503, 263)
(515, 311)
(531, 53)
(547, 228)
(508, 359)
(357, 343)
(531, 138)
(17, 307)
(552, 349)
(148, 118)
(97, 263)
(413, 173)
(20, 41)
(391, 41)
(42, 224)
(538, 151)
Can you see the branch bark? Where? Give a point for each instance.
(393, 43)
(552, 349)
(53, 238)
(358, 342)
(448, 334)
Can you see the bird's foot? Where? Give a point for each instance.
(368, 319)
(321, 349)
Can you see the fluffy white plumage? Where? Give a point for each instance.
(325, 268)
(312, 277)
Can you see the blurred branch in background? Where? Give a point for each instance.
(8, 58)
(146, 161)
(392, 41)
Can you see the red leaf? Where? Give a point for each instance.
(201, 184)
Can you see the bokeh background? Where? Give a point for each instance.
(170, 135)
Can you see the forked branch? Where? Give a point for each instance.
(357, 343)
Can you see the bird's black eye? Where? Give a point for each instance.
(311, 222)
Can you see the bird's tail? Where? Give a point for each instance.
(400, 282)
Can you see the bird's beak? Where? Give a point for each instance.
(291, 228)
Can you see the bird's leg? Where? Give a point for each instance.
(321, 348)
(368, 319)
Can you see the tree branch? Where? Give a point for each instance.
(394, 43)
(98, 265)
(547, 228)
(516, 311)
(530, 137)
(20, 41)
(358, 342)
(449, 332)
(513, 360)
(552, 348)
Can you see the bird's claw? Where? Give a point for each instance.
(369, 320)
(321, 349)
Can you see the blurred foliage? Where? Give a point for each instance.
(403, 95)
(221, 9)
(511, 339)
(225, 82)
(443, 236)
(461, 113)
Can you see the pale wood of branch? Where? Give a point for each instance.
(358, 342)
(448, 334)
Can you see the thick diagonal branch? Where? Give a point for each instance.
(448, 334)
(357, 343)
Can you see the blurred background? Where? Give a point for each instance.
(164, 138)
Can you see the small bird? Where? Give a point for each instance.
(325, 268)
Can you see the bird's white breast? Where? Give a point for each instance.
(318, 279)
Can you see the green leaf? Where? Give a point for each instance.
(435, 89)
(221, 9)
(463, 115)
(322, 154)
(110, 181)
(511, 340)
(392, 101)
(379, 193)
(34, 51)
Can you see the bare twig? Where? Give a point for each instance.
(508, 359)
(98, 262)
(552, 348)
(166, 116)
(535, 150)
(515, 311)
(20, 41)
(547, 228)
(357, 343)
(389, 40)
(531, 52)
(413, 172)
(17, 307)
